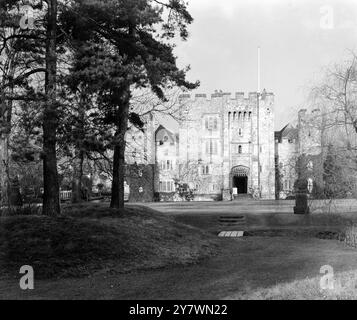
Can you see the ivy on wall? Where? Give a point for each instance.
(140, 179)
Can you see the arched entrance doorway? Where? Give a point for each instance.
(239, 176)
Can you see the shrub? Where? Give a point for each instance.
(157, 197)
(351, 235)
(25, 210)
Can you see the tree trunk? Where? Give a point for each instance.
(51, 201)
(4, 159)
(77, 179)
(117, 197)
(77, 185)
(5, 183)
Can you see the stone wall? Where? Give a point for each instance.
(287, 156)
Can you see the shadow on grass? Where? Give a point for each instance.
(93, 238)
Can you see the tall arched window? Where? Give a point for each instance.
(239, 149)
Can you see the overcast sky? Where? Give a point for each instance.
(297, 38)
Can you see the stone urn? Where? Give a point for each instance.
(301, 205)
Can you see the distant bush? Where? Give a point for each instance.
(157, 197)
(351, 235)
(167, 196)
(25, 210)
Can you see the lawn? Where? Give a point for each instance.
(93, 238)
(344, 287)
(177, 255)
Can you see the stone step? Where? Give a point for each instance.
(243, 196)
(230, 221)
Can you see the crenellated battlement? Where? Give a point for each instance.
(238, 96)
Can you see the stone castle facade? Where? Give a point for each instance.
(303, 141)
(222, 147)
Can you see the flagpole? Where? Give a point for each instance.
(258, 127)
(259, 71)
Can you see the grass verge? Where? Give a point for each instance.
(343, 287)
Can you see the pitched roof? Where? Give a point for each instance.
(288, 132)
(167, 122)
(161, 131)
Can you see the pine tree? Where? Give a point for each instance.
(117, 47)
(51, 202)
